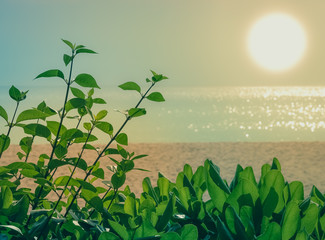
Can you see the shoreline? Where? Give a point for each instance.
(300, 161)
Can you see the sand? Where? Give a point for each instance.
(303, 161)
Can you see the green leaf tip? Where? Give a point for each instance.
(51, 73)
(69, 44)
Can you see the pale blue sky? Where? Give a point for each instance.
(195, 43)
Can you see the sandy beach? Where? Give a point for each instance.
(303, 161)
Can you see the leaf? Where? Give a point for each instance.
(6, 198)
(119, 229)
(12, 227)
(30, 173)
(75, 103)
(87, 185)
(60, 151)
(31, 114)
(166, 217)
(85, 50)
(189, 232)
(136, 112)
(64, 180)
(272, 232)
(122, 138)
(105, 127)
(98, 173)
(14, 93)
(68, 43)
(86, 80)
(156, 97)
(67, 59)
(54, 127)
(51, 73)
(118, 179)
(77, 93)
(99, 101)
(36, 129)
(18, 211)
(130, 86)
(101, 115)
(20, 165)
(4, 143)
(310, 218)
(291, 220)
(71, 134)
(83, 139)
(3, 114)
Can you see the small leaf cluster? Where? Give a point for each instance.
(66, 206)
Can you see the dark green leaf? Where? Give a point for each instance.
(36, 129)
(272, 232)
(30, 173)
(156, 97)
(136, 112)
(51, 73)
(75, 103)
(86, 80)
(85, 50)
(122, 138)
(60, 151)
(4, 142)
(68, 43)
(130, 86)
(66, 59)
(166, 217)
(14, 93)
(3, 114)
(18, 211)
(6, 198)
(119, 229)
(71, 134)
(118, 179)
(108, 236)
(87, 185)
(98, 173)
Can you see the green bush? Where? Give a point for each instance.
(199, 205)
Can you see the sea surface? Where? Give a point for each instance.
(223, 114)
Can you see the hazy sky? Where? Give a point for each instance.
(194, 43)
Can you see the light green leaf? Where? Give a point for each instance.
(136, 112)
(77, 93)
(85, 50)
(291, 220)
(36, 129)
(99, 101)
(105, 127)
(189, 232)
(101, 115)
(86, 80)
(6, 198)
(68, 43)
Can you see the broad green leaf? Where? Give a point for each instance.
(79, 46)
(3, 114)
(51, 73)
(105, 127)
(67, 59)
(119, 229)
(222, 229)
(130, 86)
(83, 139)
(276, 164)
(302, 235)
(291, 220)
(189, 232)
(6, 183)
(170, 236)
(99, 101)
(6, 198)
(55, 163)
(97, 203)
(14, 93)
(158, 77)
(60, 151)
(101, 115)
(68, 43)
(30, 173)
(145, 230)
(20, 165)
(63, 180)
(137, 112)
(75, 103)
(234, 182)
(166, 217)
(4, 142)
(77, 93)
(118, 179)
(87, 126)
(147, 187)
(130, 206)
(296, 190)
(85, 50)
(71, 134)
(86, 80)
(99, 173)
(31, 114)
(272, 232)
(122, 138)
(310, 218)
(156, 97)
(54, 127)
(37, 129)
(18, 210)
(87, 185)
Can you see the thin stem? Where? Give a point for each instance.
(110, 204)
(103, 151)
(57, 136)
(10, 127)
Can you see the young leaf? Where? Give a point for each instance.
(66, 59)
(3, 114)
(86, 80)
(51, 73)
(87, 126)
(99, 101)
(36, 129)
(15, 94)
(130, 86)
(101, 115)
(156, 97)
(77, 93)
(85, 50)
(68, 43)
(31, 114)
(137, 112)
(122, 138)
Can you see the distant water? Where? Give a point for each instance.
(228, 114)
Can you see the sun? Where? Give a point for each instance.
(277, 42)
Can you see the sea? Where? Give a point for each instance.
(200, 114)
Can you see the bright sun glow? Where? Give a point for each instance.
(277, 42)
